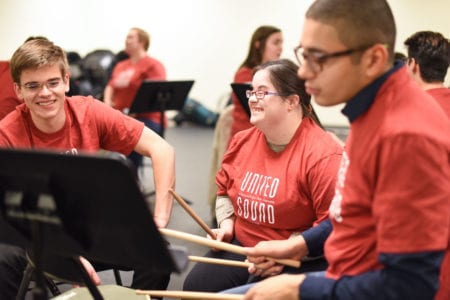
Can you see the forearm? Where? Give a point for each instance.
(224, 208)
(409, 276)
(164, 179)
(163, 161)
(108, 95)
(315, 237)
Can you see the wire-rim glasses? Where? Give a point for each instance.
(34, 86)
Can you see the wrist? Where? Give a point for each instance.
(299, 246)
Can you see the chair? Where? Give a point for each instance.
(97, 67)
(221, 137)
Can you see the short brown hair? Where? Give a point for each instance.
(37, 53)
(143, 37)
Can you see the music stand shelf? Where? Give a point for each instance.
(159, 96)
(57, 205)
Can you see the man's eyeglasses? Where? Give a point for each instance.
(34, 87)
(316, 59)
(260, 94)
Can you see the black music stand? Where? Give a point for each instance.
(55, 204)
(239, 90)
(159, 96)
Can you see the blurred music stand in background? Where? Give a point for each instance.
(57, 206)
(160, 96)
(239, 90)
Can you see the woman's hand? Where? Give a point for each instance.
(225, 233)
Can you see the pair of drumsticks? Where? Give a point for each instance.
(209, 243)
(213, 243)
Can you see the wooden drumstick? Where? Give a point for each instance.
(189, 295)
(192, 213)
(220, 245)
(218, 261)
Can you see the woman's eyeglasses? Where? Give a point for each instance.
(260, 94)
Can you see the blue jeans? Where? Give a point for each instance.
(135, 157)
(243, 289)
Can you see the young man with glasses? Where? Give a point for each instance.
(391, 211)
(50, 120)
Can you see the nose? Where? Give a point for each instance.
(44, 90)
(252, 99)
(304, 72)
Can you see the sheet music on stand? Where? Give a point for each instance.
(58, 206)
(160, 96)
(239, 90)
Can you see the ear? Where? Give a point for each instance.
(293, 102)
(18, 91)
(375, 60)
(67, 82)
(257, 44)
(414, 66)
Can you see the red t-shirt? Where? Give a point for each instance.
(393, 188)
(90, 126)
(8, 97)
(241, 119)
(277, 194)
(442, 95)
(146, 68)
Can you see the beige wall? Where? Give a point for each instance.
(204, 40)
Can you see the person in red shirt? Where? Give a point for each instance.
(49, 120)
(277, 178)
(390, 213)
(127, 76)
(8, 97)
(428, 61)
(266, 44)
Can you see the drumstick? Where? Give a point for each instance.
(218, 261)
(220, 245)
(189, 295)
(192, 213)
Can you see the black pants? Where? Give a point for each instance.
(145, 280)
(215, 278)
(12, 265)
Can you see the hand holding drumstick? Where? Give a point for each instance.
(221, 237)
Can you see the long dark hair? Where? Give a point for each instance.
(255, 54)
(283, 75)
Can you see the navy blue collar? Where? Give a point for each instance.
(364, 99)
